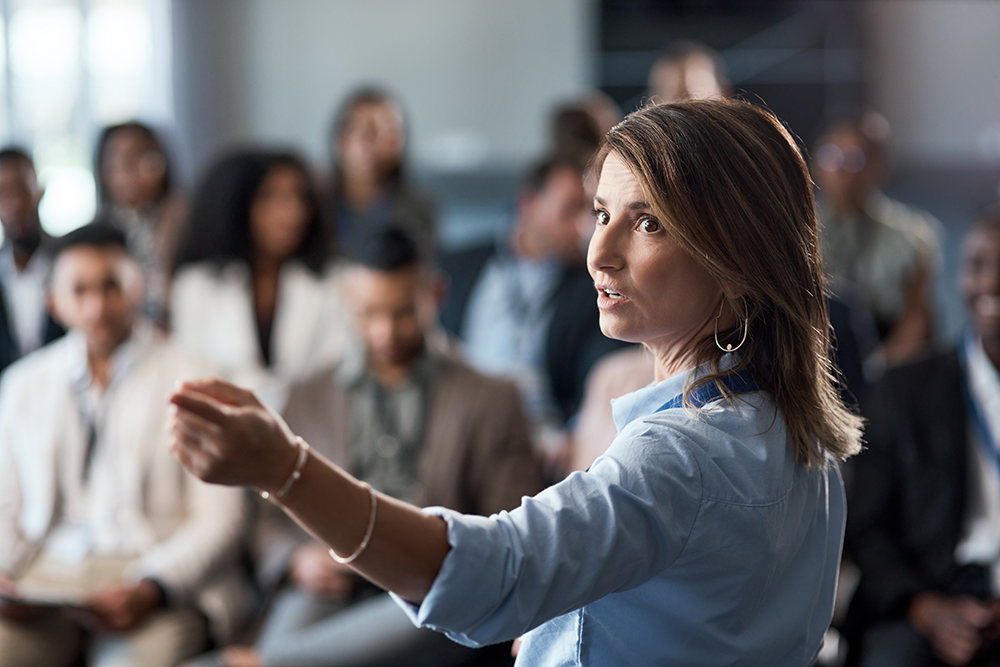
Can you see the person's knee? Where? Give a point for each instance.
(164, 640)
(45, 640)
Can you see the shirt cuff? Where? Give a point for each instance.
(464, 570)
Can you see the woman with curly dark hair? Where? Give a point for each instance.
(254, 289)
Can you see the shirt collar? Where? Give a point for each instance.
(651, 398)
(123, 359)
(37, 264)
(984, 383)
(647, 400)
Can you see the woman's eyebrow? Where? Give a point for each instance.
(634, 206)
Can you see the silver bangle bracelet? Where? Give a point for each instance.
(368, 533)
(300, 463)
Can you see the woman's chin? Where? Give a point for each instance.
(614, 328)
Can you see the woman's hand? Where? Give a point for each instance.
(122, 607)
(224, 435)
(953, 625)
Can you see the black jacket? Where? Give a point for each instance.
(907, 496)
(10, 349)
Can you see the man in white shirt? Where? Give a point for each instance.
(108, 549)
(25, 257)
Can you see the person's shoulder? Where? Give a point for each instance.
(38, 366)
(413, 203)
(204, 286)
(172, 358)
(298, 269)
(318, 384)
(909, 225)
(468, 256)
(457, 373)
(211, 273)
(741, 448)
(913, 374)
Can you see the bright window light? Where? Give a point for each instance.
(45, 42)
(119, 40)
(70, 199)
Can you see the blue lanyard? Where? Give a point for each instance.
(737, 383)
(975, 410)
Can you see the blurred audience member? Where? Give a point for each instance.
(137, 196)
(411, 420)
(369, 182)
(617, 374)
(687, 70)
(602, 108)
(924, 526)
(108, 548)
(25, 258)
(855, 341)
(887, 250)
(254, 291)
(526, 308)
(575, 133)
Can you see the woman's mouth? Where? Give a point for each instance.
(608, 297)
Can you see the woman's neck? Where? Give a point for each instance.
(679, 354)
(24, 249)
(361, 190)
(666, 367)
(265, 271)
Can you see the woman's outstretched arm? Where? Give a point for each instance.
(224, 435)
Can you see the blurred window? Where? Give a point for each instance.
(68, 68)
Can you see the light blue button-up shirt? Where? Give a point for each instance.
(695, 540)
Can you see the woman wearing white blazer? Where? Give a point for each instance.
(255, 291)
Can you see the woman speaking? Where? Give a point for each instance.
(710, 531)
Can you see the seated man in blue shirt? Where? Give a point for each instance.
(524, 308)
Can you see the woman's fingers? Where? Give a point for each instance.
(190, 399)
(224, 435)
(196, 444)
(193, 424)
(190, 457)
(223, 392)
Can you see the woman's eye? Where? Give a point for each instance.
(649, 226)
(602, 217)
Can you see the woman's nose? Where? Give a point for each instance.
(604, 252)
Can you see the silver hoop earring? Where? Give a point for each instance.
(729, 346)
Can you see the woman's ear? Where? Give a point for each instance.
(733, 292)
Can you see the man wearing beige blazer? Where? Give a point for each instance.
(415, 422)
(109, 550)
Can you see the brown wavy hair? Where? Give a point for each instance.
(730, 185)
